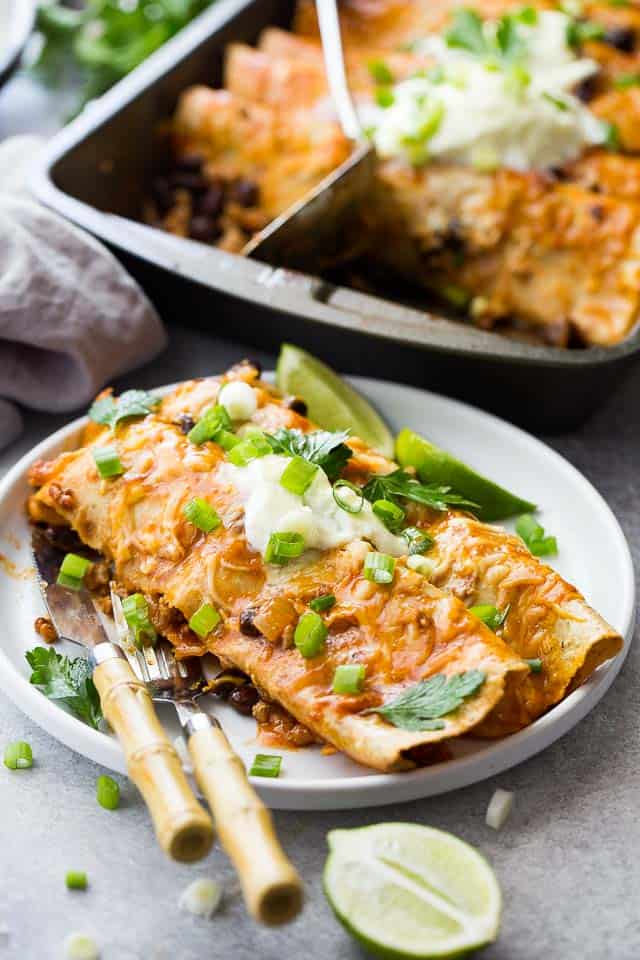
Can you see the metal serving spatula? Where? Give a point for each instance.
(183, 827)
(309, 227)
(270, 884)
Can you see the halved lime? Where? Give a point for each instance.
(437, 466)
(408, 891)
(331, 402)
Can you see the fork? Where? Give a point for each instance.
(271, 886)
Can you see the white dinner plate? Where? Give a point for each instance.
(593, 554)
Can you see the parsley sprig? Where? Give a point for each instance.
(422, 706)
(401, 485)
(68, 680)
(322, 447)
(467, 32)
(132, 403)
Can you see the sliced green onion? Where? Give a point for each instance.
(346, 503)
(529, 530)
(528, 15)
(298, 475)
(107, 461)
(251, 448)
(283, 547)
(310, 634)
(205, 619)
(211, 423)
(456, 296)
(72, 571)
(611, 135)
(379, 567)
(390, 513)
(202, 515)
(107, 793)
(349, 678)
(421, 565)
(136, 612)
(380, 72)
(385, 97)
(419, 541)
(626, 80)
(325, 602)
(227, 440)
(535, 665)
(265, 765)
(490, 616)
(76, 880)
(18, 755)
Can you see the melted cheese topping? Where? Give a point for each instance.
(270, 508)
(486, 113)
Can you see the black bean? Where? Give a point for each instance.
(622, 38)
(247, 626)
(193, 182)
(190, 163)
(587, 88)
(185, 422)
(212, 202)
(597, 212)
(203, 228)
(297, 404)
(244, 698)
(245, 192)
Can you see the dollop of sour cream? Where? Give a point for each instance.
(270, 508)
(482, 112)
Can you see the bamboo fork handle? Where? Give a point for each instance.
(271, 887)
(183, 827)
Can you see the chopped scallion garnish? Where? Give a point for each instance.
(390, 513)
(283, 547)
(380, 72)
(325, 602)
(18, 755)
(534, 664)
(419, 541)
(379, 567)
(351, 499)
(490, 616)
(298, 475)
(76, 880)
(72, 571)
(265, 765)
(202, 515)
(310, 634)
(136, 612)
(107, 793)
(214, 421)
(349, 678)
(529, 530)
(204, 620)
(254, 446)
(107, 461)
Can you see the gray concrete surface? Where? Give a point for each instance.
(568, 859)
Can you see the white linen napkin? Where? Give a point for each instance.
(71, 317)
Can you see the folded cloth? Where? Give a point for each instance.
(71, 317)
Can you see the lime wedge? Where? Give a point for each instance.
(407, 891)
(437, 466)
(331, 402)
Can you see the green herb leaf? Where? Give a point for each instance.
(529, 530)
(132, 403)
(326, 449)
(421, 706)
(399, 484)
(508, 40)
(626, 80)
(66, 679)
(466, 32)
(582, 31)
(556, 101)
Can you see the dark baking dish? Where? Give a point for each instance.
(97, 172)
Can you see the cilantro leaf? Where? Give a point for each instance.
(466, 32)
(421, 706)
(66, 679)
(400, 484)
(132, 403)
(326, 449)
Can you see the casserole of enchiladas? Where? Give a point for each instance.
(507, 176)
(345, 591)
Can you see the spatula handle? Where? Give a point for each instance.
(183, 827)
(271, 886)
